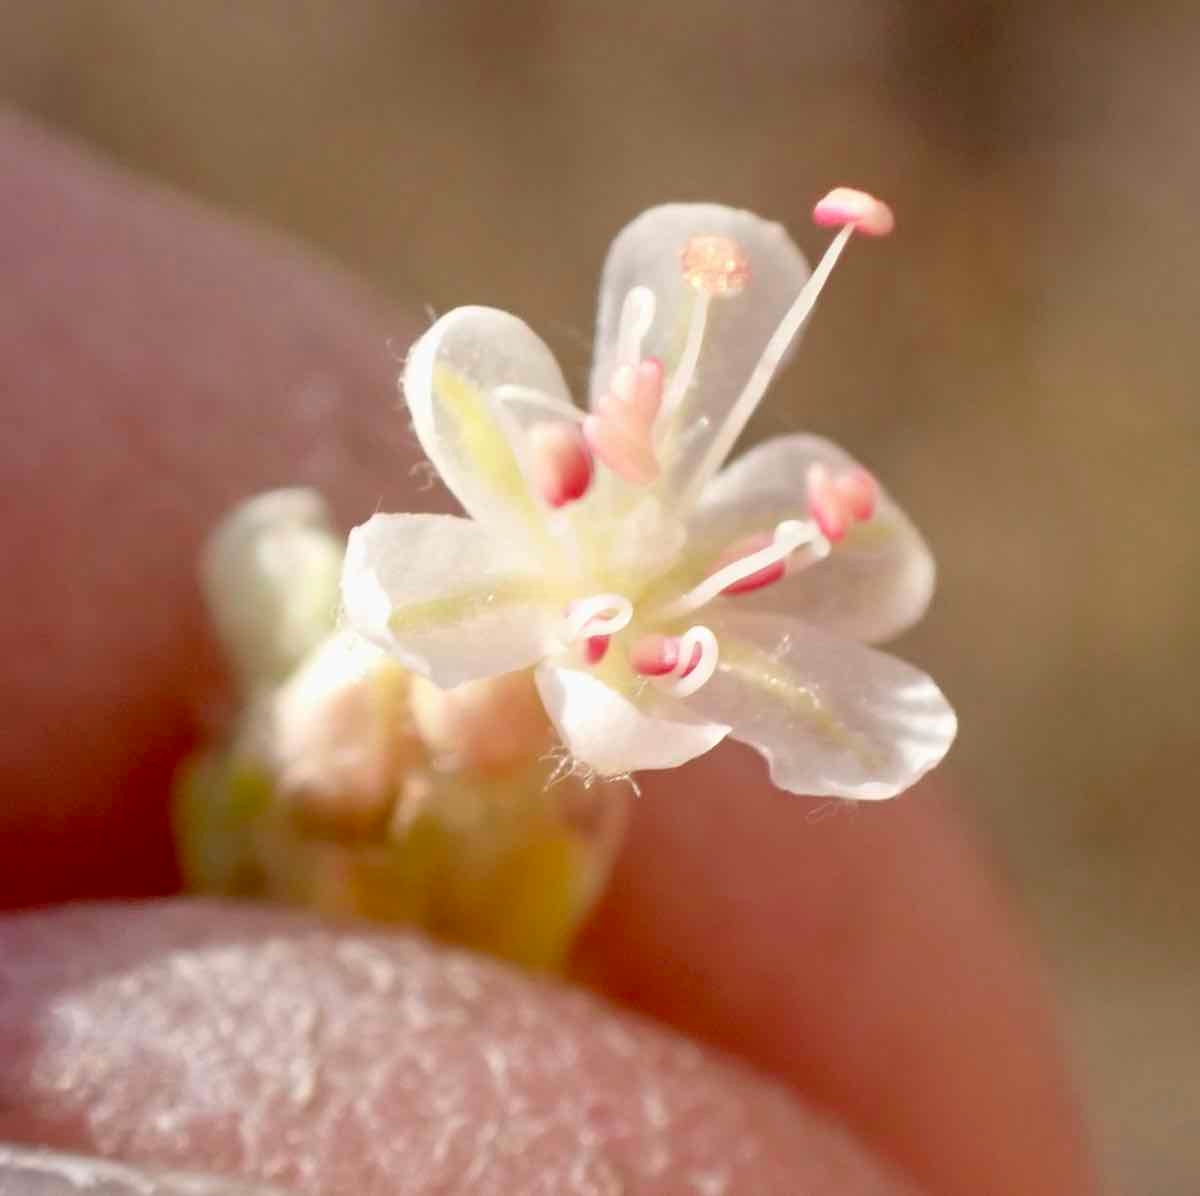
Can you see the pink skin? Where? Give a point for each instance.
(867, 963)
(844, 205)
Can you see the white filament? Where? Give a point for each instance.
(790, 535)
(637, 314)
(685, 371)
(744, 405)
(601, 614)
(675, 682)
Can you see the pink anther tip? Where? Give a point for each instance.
(560, 463)
(844, 205)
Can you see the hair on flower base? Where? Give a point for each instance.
(664, 600)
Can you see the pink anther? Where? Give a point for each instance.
(837, 502)
(620, 431)
(560, 462)
(844, 205)
(753, 581)
(657, 655)
(595, 648)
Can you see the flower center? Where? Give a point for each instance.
(682, 664)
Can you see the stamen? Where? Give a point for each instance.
(620, 429)
(559, 462)
(637, 314)
(844, 205)
(754, 581)
(654, 655)
(838, 502)
(789, 536)
(685, 371)
(715, 265)
(853, 210)
(647, 394)
(625, 448)
(599, 615)
(690, 673)
(595, 648)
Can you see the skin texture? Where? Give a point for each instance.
(158, 364)
(369, 1062)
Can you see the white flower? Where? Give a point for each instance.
(663, 604)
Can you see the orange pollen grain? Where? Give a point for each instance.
(715, 266)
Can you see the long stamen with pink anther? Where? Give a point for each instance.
(837, 502)
(853, 211)
(844, 206)
(789, 536)
(765, 576)
(597, 616)
(716, 268)
(560, 464)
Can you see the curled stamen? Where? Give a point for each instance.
(654, 655)
(789, 536)
(599, 615)
(691, 673)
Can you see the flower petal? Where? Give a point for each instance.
(615, 734)
(738, 324)
(830, 716)
(473, 382)
(873, 585)
(449, 598)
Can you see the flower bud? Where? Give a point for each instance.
(270, 575)
(342, 738)
(487, 725)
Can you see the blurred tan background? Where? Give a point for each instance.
(1019, 363)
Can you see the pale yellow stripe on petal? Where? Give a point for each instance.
(481, 438)
(759, 670)
(445, 612)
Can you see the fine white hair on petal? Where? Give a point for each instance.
(611, 734)
(448, 598)
(460, 382)
(873, 585)
(832, 718)
(647, 252)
